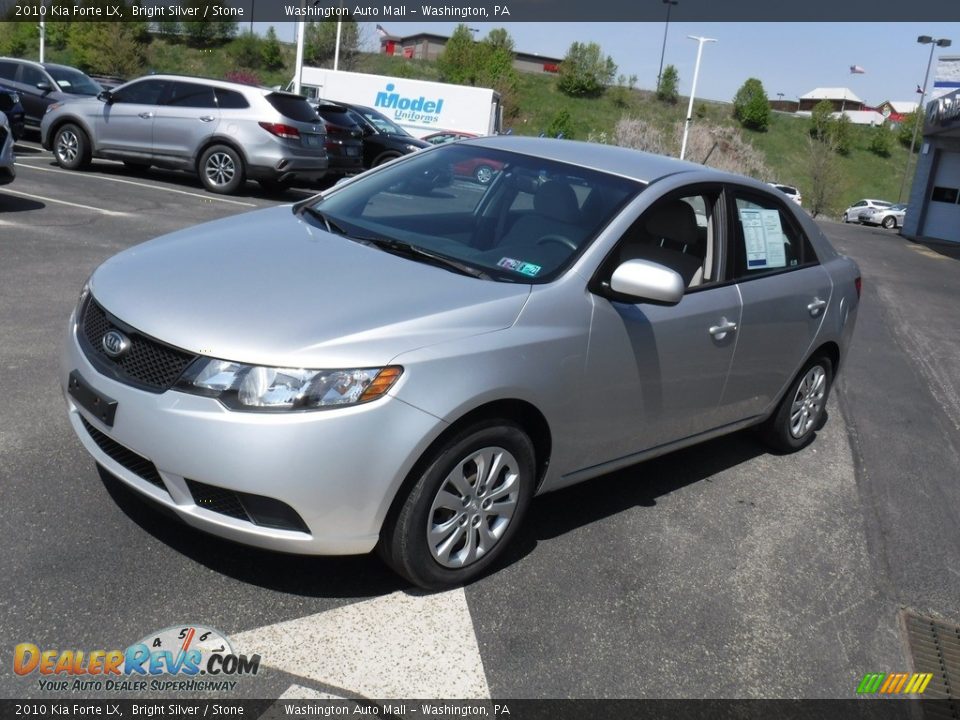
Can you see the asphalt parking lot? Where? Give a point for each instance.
(718, 571)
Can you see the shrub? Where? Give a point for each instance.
(751, 107)
(668, 91)
(585, 71)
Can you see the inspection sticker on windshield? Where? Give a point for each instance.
(519, 266)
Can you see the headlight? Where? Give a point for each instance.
(412, 148)
(258, 388)
(84, 292)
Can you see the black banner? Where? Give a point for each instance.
(882, 709)
(274, 11)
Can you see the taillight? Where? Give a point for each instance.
(281, 130)
(858, 283)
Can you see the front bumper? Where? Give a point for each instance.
(338, 469)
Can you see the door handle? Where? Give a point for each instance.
(725, 326)
(206, 118)
(816, 306)
(146, 115)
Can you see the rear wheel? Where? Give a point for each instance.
(803, 409)
(221, 169)
(385, 158)
(71, 147)
(464, 508)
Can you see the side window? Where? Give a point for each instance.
(194, 95)
(29, 75)
(766, 238)
(230, 99)
(145, 92)
(680, 233)
(7, 69)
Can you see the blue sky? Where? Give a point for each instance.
(791, 58)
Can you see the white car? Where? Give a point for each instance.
(890, 218)
(790, 191)
(852, 213)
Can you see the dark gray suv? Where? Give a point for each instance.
(225, 132)
(42, 84)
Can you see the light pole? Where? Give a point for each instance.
(932, 42)
(693, 90)
(663, 50)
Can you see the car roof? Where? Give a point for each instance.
(633, 164)
(225, 84)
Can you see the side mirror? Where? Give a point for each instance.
(647, 280)
(44, 86)
(106, 96)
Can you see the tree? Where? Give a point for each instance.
(668, 91)
(108, 48)
(457, 62)
(169, 29)
(201, 33)
(271, 54)
(841, 134)
(585, 71)
(880, 141)
(500, 38)
(824, 173)
(320, 40)
(820, 120)
(905, 133)
(751, 107)
(561, 125)
(245, 51)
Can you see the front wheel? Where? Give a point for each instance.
(221, 169)
(71, 147)
(464, 508)
(889, 223)
(803, 409)
(483, 174)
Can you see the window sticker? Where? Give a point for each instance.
(763, 238)
(524, 268)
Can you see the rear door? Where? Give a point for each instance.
(785, 294)
(31, 96)
(187, 115)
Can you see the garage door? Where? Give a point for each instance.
(943, 206)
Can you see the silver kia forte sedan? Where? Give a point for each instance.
(403, 362)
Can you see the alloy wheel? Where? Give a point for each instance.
(808, 401)
(220, 168)
(68, 145)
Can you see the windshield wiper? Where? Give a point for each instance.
(414, 252)
(324, 218)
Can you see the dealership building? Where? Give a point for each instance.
(935, 196)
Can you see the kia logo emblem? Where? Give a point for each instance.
(115, 343)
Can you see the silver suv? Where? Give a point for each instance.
(225, 132)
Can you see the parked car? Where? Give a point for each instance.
(852, 213)
(402, 362)
(344, 140)
(11, 107)
(891, 217)
(8, 170)
(383, 139)
(480, 169)
(439, 138)
(43, 84)
(225, 132)
(790, 191)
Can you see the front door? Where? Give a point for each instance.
(125, 125)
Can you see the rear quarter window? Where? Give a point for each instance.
(230, 99)
(292, 106)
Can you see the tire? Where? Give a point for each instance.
(221, 169)
(483, 174)
(385, 158)
(453, 500)
(845, 218)
(889, 222)
(71, 147)
(802, 411)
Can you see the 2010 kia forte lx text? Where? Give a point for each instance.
(403, 362)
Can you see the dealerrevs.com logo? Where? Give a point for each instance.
(173, 659)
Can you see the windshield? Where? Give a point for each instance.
(73, 81)
(514, 217)
(381, 122)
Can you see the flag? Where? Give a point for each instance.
(381, 32)
(856, 70)
(919, 90)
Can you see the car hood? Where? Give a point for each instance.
(270, 288)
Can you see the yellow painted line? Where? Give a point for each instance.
(114, 213)
(914, 681)
(923, 685)
(212, 198)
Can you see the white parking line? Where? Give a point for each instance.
(210, 198)
(113, 213)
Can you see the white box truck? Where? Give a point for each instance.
(419, 106)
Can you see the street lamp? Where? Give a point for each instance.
(666, 27)
(932, 42)
(693, 90)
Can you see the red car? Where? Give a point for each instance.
(480, 169)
